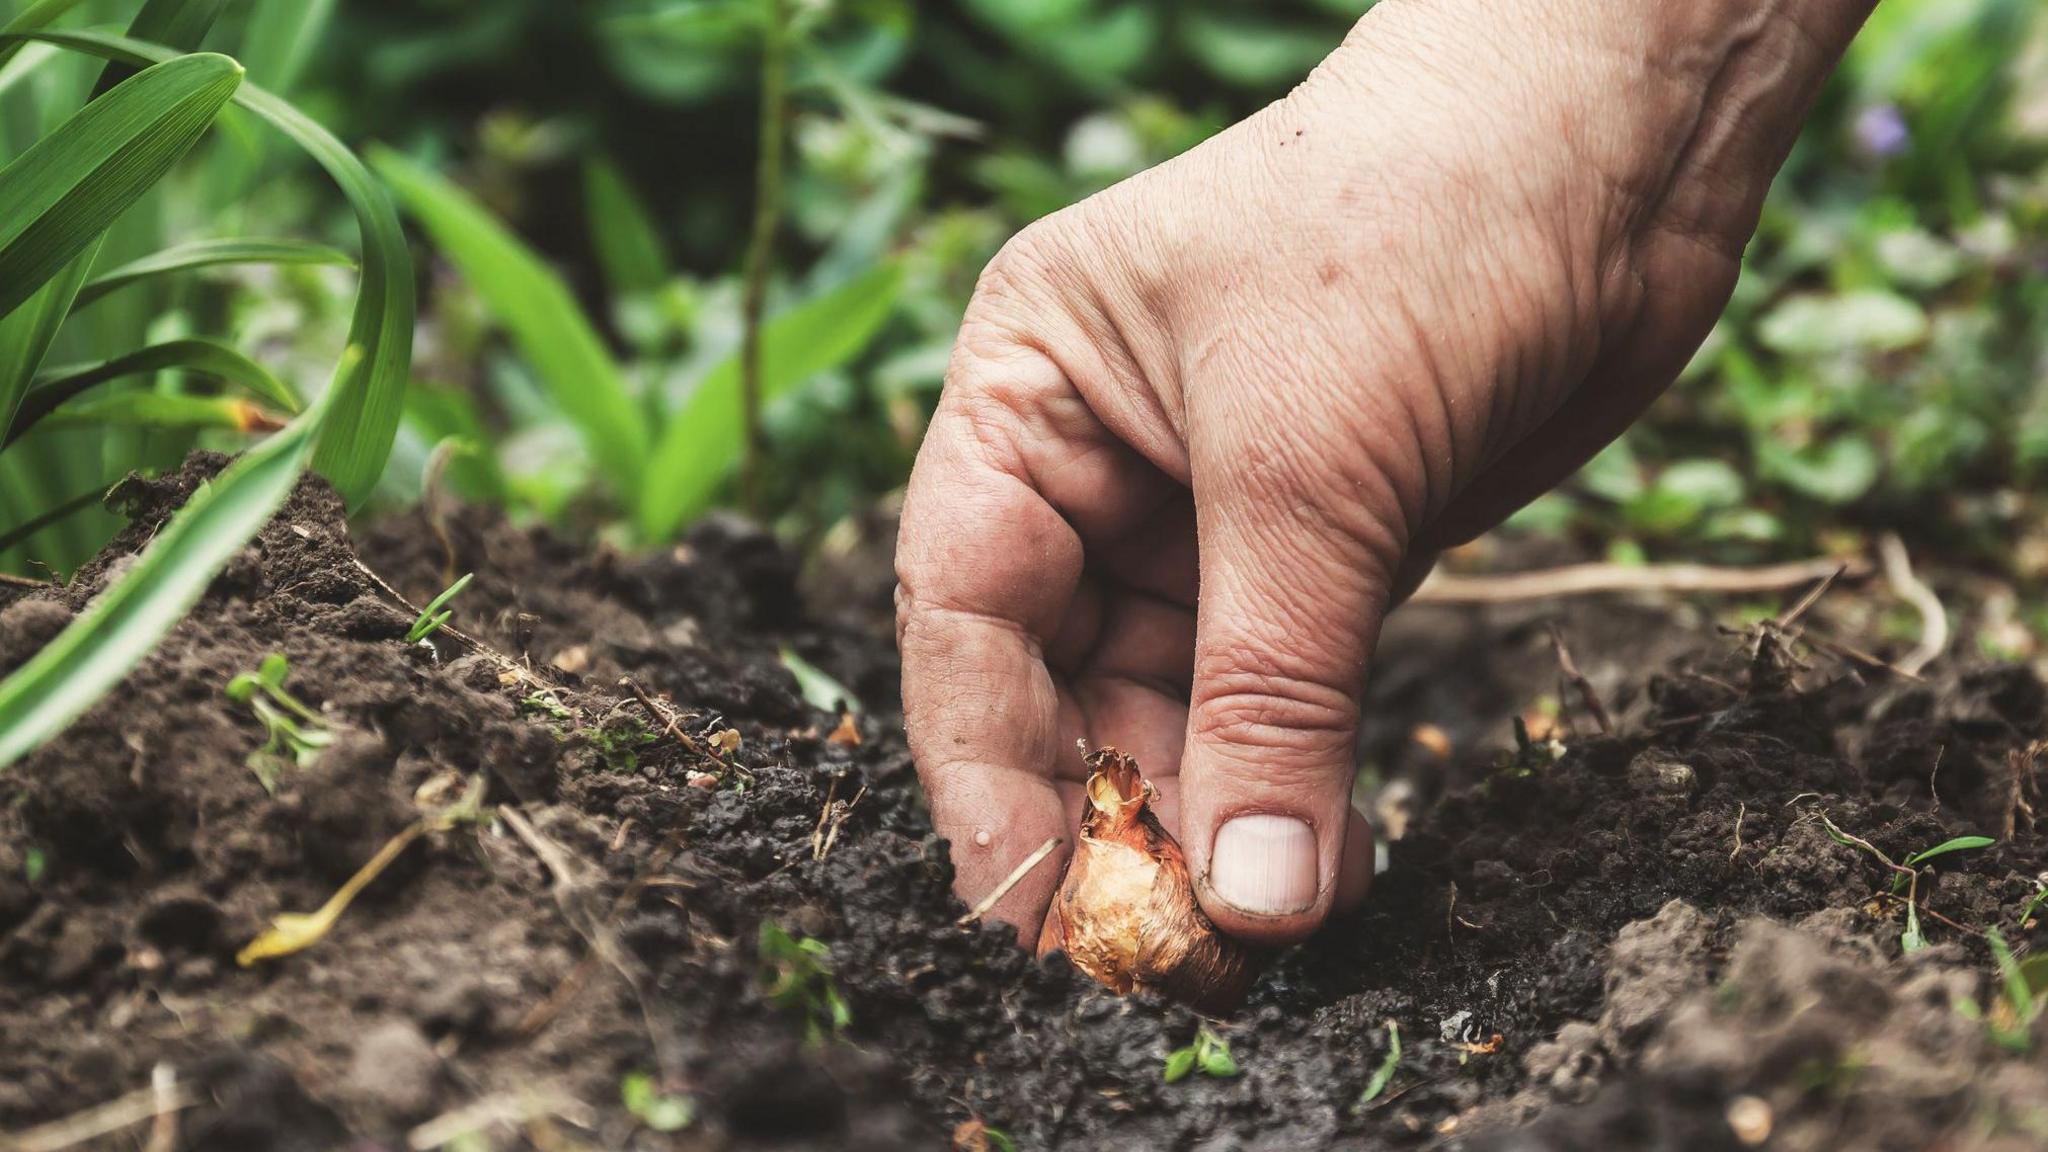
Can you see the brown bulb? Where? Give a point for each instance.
(1126, 912)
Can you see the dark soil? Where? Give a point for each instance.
(1636, 944)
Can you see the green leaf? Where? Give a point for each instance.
(1958, 844)
(127, 619)
(819, 689)
(355, 439)
(628, 244)
(207, 254)
(702, 441)
(1218, 1062)
(57, 197)
(25, 336)
(1252, 51)
(163, 410)
(1178, 1064)
(37, 15)
(55, 386)
(538, 311)
(1868, 320)
(1384, 1074)
(1837, 472)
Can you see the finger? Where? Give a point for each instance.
(1296, 573)
(988, 562)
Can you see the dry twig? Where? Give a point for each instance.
(1587, 696)
(1586, 579)
(101, 1120)
(1015, 877)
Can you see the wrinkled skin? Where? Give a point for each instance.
(1201, 431)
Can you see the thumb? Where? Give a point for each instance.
(1293, 586)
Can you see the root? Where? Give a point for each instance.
(1588, 579)
(1898, 571)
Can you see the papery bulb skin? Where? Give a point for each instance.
(1126, 912)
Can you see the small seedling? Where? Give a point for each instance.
(431, 620)
(1906, 877)
(297, 733)
(2023, 987)
(618, 741)
(652, 1107)
(1384, 1074)
(34, 864)
(1958, 844)
(1209, 1052)
(798, 973)
(2033, 905)
(976, 1135)
(546, 705)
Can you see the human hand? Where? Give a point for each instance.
(1201, 431)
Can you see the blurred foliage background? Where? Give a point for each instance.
(584, 178)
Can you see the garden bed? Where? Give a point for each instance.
(1650, 940)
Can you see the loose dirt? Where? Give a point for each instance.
(1642, 940)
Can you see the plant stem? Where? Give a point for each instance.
(761, 248)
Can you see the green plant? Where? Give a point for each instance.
(1957, 844)
(1384, 1074)
(2033, 905)
(58, 200)
(1208, 1052)
(617, 740)
(658, 1110)
(436, 613)
(297, 734)
(662, 481)
(797, 974)
(1906, 876)
(2023, 991)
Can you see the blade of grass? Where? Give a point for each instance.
(1958, 844)
(26, 332)
(55, 386)
(67, 188)
(38, 15)
(176, 24)
(628, 244)
(702, 442)
(208, 254)
(127, 619)
(27, 528)
(537, 311)
(356, 439)
(163, 410)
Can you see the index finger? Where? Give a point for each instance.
(1014, 471)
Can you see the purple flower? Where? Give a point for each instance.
(1881, 130)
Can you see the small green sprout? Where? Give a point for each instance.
(2033, 905)
(34, 865)
(618, 741)
(798, 973)
(654, 1108)
(1958, 844)
(2023, 987)
(1384, 1074)
(546, 705)
(1906, 877)
(1209, 1053)
(431, 620)
(297, 733)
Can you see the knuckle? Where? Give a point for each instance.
(1254, 704)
